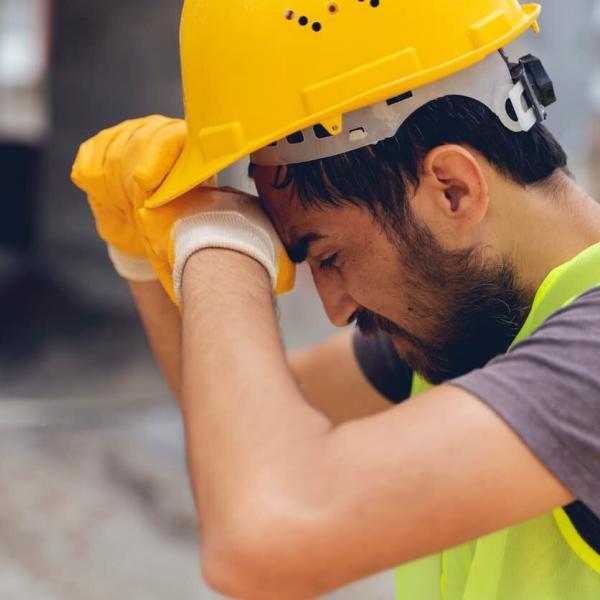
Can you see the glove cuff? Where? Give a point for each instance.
(132, 268)
(224, 229)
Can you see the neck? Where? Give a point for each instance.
(551, 225)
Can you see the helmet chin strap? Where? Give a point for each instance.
(516, 92)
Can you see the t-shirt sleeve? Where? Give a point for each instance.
(382, 366)
(548, 391)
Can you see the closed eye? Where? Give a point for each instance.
(329, 263)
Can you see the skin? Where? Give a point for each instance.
(341, 395)
(293, 503)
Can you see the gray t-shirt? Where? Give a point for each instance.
(547, 388)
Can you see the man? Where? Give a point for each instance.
(439, 215)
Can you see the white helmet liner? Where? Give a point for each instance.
(489, 82)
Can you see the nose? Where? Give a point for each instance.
(338, 303)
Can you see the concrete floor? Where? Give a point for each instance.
(91, 514)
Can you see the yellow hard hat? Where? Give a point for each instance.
(255, 72)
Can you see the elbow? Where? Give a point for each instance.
(263, 552)
(236, 568)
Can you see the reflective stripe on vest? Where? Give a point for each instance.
(543, 559)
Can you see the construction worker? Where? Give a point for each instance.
(400, 152)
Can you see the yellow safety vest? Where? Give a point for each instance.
(542, 559)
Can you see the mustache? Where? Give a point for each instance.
(371, 324)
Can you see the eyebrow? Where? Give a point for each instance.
(299, 250)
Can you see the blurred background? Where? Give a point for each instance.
(94, 500)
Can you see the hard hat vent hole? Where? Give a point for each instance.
(295, 138)
(358, 134)
(400, 98)
(290, 15)
(510, 111)
(333, 8)
(374, 3)
(317, 26)
(303, 21)
(320, 132)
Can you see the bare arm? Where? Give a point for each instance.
(328, 505)
(328, 374)
(333, 382)
(162, 323)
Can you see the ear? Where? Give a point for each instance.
(453, 194)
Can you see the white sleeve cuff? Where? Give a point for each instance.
(132, 268)
(228, 230)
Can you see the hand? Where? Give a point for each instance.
(212, 218)
(119, 169)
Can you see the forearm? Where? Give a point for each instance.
(342, 393)
(243, 410)
(162, 323)
(341, 396)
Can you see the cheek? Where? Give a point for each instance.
(388, 290)
(377, 286)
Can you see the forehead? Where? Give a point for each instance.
(273, 199)
(293, 220)
(290, 217)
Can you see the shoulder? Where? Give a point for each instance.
(547, 388)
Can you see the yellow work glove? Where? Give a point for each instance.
(119, 169)
(209, 217)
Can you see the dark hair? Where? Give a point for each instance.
(378, 176)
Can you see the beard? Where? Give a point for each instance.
(466, 310)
